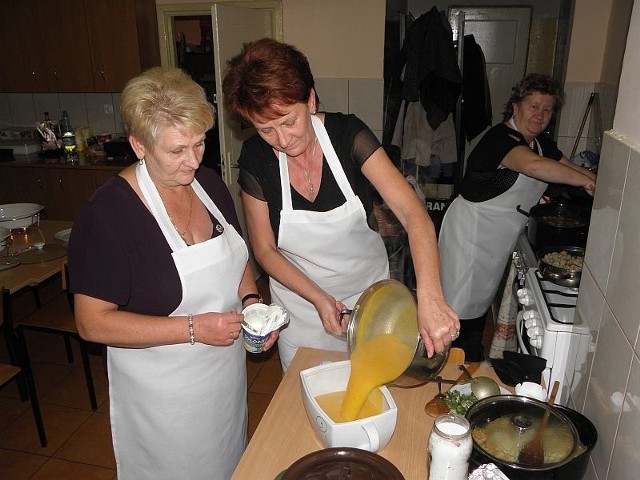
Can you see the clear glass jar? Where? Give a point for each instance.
(450, 446)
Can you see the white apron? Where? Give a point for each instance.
(336, 249)
(180, 411)
(475, 241)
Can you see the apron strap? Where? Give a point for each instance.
(159, 211)
(332, 160)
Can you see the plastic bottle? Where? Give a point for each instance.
(450, 446)
(68, 140)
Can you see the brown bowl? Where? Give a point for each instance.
(332, 463)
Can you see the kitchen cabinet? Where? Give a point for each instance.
(123, 40)
(21, 62)
(62, 189)
(65, 45)
(76, 45)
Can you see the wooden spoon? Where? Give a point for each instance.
(533, 452)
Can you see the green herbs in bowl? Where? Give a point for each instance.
(459, 402)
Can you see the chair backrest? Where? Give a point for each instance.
(65, 283)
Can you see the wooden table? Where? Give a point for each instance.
(285, 434)
(25, 275)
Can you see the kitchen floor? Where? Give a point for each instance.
(80, 439)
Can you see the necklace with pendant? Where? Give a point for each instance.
(306, 172)
(531, 143)
(186, 228)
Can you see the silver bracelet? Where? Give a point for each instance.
(192, 335)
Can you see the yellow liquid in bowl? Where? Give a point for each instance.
(375, 361)
(331, 404)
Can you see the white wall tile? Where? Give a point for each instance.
(115, 98)
(23, 113)
(334, 94)
(606, 208)
(76, 106)
(589, 311)
(5, 112)
(47, 102)
(608, 381)
(625, 462)
(365, 101)
(100, 121)
(624, 278)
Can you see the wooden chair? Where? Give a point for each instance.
(57, 317)
(13, 372)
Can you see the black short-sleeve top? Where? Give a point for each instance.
(118, 253)
(483, 179)
(353, 142)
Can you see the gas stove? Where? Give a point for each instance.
(547, 324)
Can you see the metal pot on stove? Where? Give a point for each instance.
(557, 224)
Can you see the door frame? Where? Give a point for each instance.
(167, 12)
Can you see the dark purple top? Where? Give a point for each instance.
(118, 253)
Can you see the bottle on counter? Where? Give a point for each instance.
(450, 446)
(68, 140)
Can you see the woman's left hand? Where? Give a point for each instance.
(273, 337)
(438, 324)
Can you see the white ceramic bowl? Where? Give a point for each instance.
(371, 433)
(19, 215)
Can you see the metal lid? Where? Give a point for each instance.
(502, 426)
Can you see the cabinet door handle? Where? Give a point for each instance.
(61, 183)
(40, 182)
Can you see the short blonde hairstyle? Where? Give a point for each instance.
(160, 98)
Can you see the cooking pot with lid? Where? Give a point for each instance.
(554, 224)
(389, 307)
(502, 425)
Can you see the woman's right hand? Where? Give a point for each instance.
(589, 185)
(329, 311)
(216, 328)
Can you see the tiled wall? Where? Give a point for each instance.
(100, 111)
(609, 389)
(600, 116)
(360, 96)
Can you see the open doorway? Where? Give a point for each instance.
(194, 54)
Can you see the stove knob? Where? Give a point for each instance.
(532, 322)
(524, 297)
(531, 315)
(534, 332)
(536, 342)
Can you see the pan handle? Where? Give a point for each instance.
(524, 212)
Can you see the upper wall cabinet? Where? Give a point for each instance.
(21, 61)
(76, 45)
(65, 42)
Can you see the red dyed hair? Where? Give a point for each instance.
(266, 75)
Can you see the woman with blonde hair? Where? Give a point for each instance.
(159, 272)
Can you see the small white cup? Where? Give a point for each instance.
(531, 390)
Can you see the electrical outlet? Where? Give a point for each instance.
(108, 109)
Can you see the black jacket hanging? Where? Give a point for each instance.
(432, 75)
(476, 114)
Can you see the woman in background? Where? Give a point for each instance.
(509, 167)
(159, 271)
